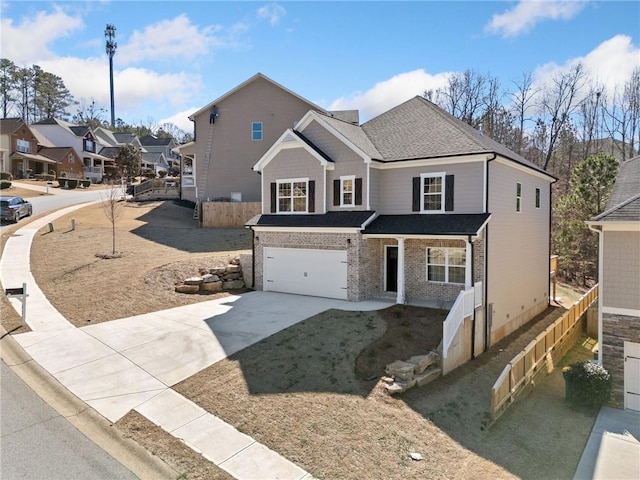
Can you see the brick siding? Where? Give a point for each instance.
(617, 329)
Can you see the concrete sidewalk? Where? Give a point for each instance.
(42, 187)
(130, 364)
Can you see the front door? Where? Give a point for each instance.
(391, 268)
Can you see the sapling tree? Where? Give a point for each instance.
(112, 205)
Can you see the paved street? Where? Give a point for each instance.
(37, 443)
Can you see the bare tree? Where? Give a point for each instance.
(559, 102)
(522, 101)
(624, 115)
(112, 207)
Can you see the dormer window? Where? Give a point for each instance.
(292, 196)
(89, 145)
(347, 189)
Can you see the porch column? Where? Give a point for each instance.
(400, 274)
(468, 265)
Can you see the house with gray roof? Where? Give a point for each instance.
(413, 206)
(618, 229)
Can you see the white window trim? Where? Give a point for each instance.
(23, 146)
(446, 265)
(423, 176)
(261, 132)
(518, 197)
(292, 181)
(538, 198)
(353, 190)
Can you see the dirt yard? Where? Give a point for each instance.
(307, 392)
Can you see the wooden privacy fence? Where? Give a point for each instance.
(229, 214)
(554, 342)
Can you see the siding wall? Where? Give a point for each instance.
(234, 153)
(396, 187)
(621, 282)
(293, 163)
(518, 249)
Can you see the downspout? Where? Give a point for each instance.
(549, 254)
(600, 291)
(473, 318)
(485, 287)
(253, 258)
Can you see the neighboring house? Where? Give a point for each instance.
(19, 150)
(81, 139)
(413, 205)
(68, 163)
(155, 161)
(619, 278)
(231, 134)
(163, 145)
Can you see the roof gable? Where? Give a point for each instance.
(624, 201)
(244, 84)
(292, 139)
(10, 125)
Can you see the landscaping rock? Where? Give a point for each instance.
(209, 278)
(233, 285)
(416, 456)
(232, 269)
(193, 281)
(232, 276)
(399, 387)
(217, 270)
(428, 376)
(187, 288)
(387, 380)
(422, 362)
(211, 287)
(400, 370)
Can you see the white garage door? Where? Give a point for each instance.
(632, 376)
(321, 273)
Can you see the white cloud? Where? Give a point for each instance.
(524, 16)
(27, 41)
(610, 64)
(170, 39)
(272, 12)
(389, 93)
(181, 119)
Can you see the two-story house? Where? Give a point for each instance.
(618, 229)
(413, 205)
(81, 139)
(19, 150)
(231, 134)
(164, 146)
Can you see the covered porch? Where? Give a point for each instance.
(26, 165)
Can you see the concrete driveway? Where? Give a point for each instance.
(116, 366)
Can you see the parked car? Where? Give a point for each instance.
(14, 208)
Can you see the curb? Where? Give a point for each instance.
(93, 425)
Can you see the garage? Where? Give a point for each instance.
(632, 376)
(319, 273)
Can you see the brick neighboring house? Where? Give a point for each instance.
(618, 229)
(414, 206)
(68, 163)
(231, 134)
(19, 149)
(79, 137)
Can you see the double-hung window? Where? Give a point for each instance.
(256, 131)
(446, 265)
(292, 195)
(23, 146)
(518, 197)
(348, 190)
(537, 197)
(433, 185)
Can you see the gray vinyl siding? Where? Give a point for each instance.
(293, 163)
(621, 274)
(234, 152)
(396, 187)
(374, 189)
(518, 248)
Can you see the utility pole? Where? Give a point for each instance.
(111, 47)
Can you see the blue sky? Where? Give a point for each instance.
(174, 57)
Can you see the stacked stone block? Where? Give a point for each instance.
(216, 279)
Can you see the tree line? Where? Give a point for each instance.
(32, 94)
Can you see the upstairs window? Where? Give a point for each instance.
(432, 192)
(23, 146)
(537, 197)
(518, 196)
(292, 196)
(70, 158)
(89, 145)
(256, 131)
(347, 187)
(446, 265)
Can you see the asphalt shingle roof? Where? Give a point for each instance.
(10, 125)
(624, 201)
(419, 224)
(330, 219)
(151, 141)
(355, 134)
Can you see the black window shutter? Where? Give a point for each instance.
(416, 195)
(448, 193)
(273, 198)
(311, 196)
(358, 187)
(336, 193)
